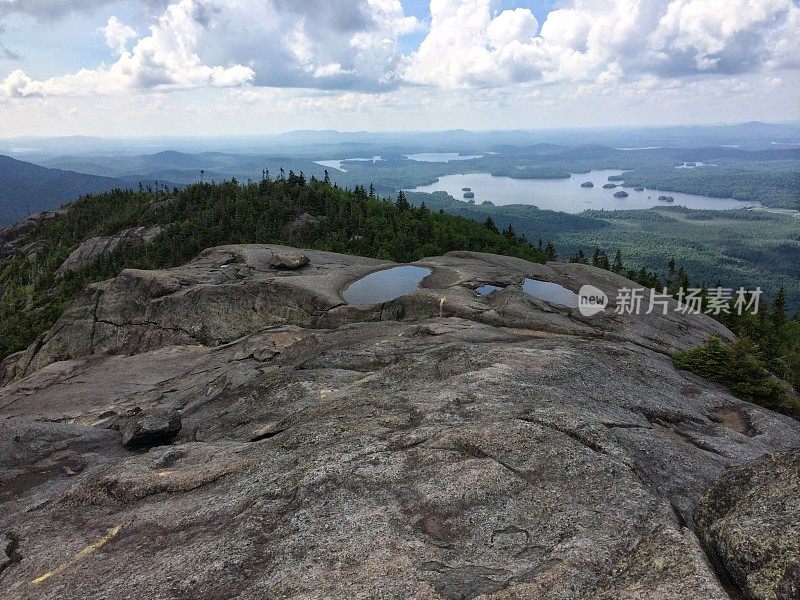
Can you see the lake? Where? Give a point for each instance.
(567, 195)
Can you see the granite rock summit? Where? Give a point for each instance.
(442, 444)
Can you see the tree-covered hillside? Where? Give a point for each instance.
(33, 296)
(27, 188)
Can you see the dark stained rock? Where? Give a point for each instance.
(750, 521)
(151, 428)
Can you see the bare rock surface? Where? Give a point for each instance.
(13, 236)
(229, 292)
(150, 428)
(92, 249)
(440, 445)
(750, 520)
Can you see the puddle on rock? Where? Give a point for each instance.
(550, 292)
(386, 285)
(488, 289)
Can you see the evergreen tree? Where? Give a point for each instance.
(489, 224)
(618, 267)
(596, 257)
(550, 252)
(401, 202)
(579, 257)
(509, 232)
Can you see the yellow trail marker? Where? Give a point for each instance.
(90, 549)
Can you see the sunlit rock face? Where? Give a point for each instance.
(440, 444)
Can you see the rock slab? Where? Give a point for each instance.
(151, 428)
(750, 521)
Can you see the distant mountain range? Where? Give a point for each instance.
(754, 135)
(26, 188)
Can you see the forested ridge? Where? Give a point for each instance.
(33, 296)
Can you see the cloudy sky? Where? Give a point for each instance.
(198, 67)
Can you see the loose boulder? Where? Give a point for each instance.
(288, 261)
(151, 428)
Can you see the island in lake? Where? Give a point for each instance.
(638, 188)
(621, 195)
(587, 184)
(666, 199)
(610, 186)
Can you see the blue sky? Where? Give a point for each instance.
(132, 66)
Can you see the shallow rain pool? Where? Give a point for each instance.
(386, 285)
(550, 292)
(486, 290)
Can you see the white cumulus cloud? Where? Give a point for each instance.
(117, 35)
(471, 43)
(336, 44)
(355, 44)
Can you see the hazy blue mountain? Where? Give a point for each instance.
(753, 136)
(26, 188)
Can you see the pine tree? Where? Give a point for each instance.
(550, 252)
(371, 191)
(489, 224)
(327, 178)
(579, 257)
(618, 267)
(509, 232)
(402, 203)
(596, 258)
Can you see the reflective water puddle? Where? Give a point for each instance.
(386, 285)
(550, 292)
(488, 289)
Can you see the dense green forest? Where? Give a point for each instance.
(775, 183)
(205, 215)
